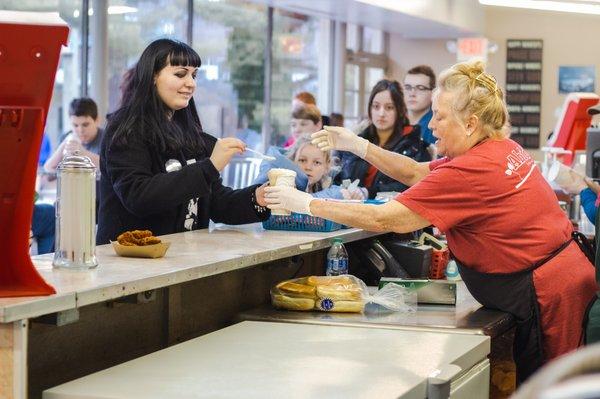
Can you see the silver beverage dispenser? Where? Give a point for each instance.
(76, 214)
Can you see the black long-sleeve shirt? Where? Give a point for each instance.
(136, 192)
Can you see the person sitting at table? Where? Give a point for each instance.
(313, 170)
(511, 240)
(389, 129)
(43, 224)
(160, 170)
(85, 136)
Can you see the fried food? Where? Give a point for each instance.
(141, 233)
(137, 237)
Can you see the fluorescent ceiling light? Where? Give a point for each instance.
(405, 6)
(548, 5)
(113, 10)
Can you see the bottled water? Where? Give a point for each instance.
(337, 259)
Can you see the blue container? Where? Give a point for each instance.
(300, 222)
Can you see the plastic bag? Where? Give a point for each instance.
(344, 293)
(394, 297)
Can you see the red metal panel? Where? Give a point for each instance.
(29, 56)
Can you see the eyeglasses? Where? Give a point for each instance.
(419, 88)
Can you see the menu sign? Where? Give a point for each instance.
(524, 89)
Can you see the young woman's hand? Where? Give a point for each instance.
(339, 138)
(224, 150)
(260, 195)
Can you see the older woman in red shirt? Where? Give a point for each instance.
(502, 221)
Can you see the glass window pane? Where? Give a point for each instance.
(352, 77)
(68, 78)
(373, 76)
(372, 40)
(352, 37)
(295, 66)
(132, 25)
(230, 38)
(350, 104)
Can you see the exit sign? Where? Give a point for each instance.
(471, 47)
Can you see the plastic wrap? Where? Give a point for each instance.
(344, 293)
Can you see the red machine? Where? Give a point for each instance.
(570, 130)
(30, 46)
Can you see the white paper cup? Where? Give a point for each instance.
(281, 177)
(560, 174)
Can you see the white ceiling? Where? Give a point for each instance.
(426, 19)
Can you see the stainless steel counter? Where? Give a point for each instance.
(206, 277)
(192, 255)
(466, 317)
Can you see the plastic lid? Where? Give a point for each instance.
(338, 240)
(76, 162)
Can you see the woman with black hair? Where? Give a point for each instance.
(160, 171)
(390, 129)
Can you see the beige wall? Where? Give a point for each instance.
(406, 53)
(569, 39)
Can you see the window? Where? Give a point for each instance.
(68, 77)
(366, 65)
(132, 25)
(230, 38)
(372, 41)
(351, 96)
(352, 37)
(295, 66)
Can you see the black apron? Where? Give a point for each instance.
(514, 293)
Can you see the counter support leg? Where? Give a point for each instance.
(13, 360)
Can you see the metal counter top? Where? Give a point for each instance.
(192, 255)
(277, 360)
(467, 317)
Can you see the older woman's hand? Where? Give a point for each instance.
(339, 138)
(288, 198)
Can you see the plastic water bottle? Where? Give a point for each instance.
(337, 259)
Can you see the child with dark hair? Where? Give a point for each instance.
(306, 119)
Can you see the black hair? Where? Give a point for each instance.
(144, 116)
(83, 107)
(398, 99)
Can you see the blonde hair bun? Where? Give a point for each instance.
(477, 93)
